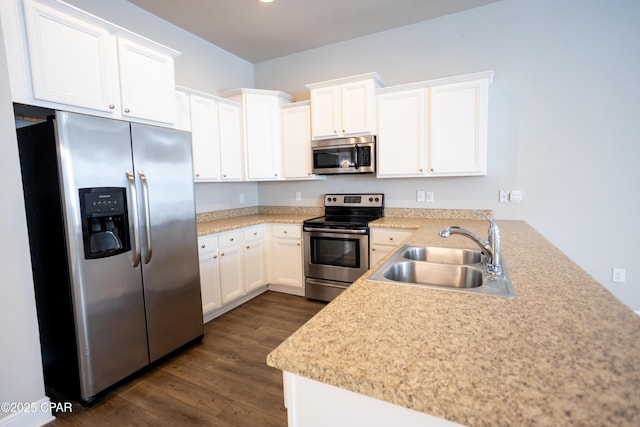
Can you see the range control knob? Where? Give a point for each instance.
(371, 199)
(377, 199)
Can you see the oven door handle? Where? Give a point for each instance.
(334, 231)
(355, 157)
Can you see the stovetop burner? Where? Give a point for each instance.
(349, 211)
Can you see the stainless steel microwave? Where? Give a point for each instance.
(344, 155)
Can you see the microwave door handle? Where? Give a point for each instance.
(355, 156)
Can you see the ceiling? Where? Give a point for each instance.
(260, 31)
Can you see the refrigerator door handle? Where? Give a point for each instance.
(133, 218)
(147, 215)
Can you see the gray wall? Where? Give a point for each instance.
(21, 377)
(562, 119)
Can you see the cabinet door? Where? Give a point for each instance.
(287, 256)
(204, 138)
(209, 274)
(147, 82)
(232, 277)
(402, 133)
(458, 129)
(325, 112)
(296, 142)
(183, 111)
(262, 127)
(73, 61)
(358, 111)
(230, 137)
(255, 264)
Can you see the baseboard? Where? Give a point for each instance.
(37, 414)
(292, 290)
(233, 304)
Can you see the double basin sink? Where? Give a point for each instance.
(453, 269)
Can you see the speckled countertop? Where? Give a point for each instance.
(564, 352)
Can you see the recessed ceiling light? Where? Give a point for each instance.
(266, 1)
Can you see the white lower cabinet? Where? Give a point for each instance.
(255, 257)
(238, 265)
(232, 269)
(209, 273)
(286, 259)
(383, 241)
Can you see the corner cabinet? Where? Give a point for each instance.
(434, 128)
(63, 57)
(261, 120)
(344, 107)
(296, 141)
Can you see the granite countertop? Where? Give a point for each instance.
(226, 224)
(564, 352)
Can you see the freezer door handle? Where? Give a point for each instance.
(133, 218)
(147, 215)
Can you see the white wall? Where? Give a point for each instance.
(21, 378)
(562, 122)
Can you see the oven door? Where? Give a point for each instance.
(337, 255)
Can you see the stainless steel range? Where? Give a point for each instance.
(336, 245)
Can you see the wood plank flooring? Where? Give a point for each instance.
(222, 381)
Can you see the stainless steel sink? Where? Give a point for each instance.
(442, 255)
(452, 269)
(429, 273)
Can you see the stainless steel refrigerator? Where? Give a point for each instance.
(111, 217)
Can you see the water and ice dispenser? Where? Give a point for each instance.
(105, 224)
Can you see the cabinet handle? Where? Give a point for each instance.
(197, 175)
(203, 246)
(255, 233)
(224, 175)
(111, 106)
(420, 170)
(285, 231)
(275, 174)
(215, 257)
(298, 244)
(431, 169)
(373, 249)
(247, 247)
(221, 253)
(126, 110)
(390, 238)
(231, 239)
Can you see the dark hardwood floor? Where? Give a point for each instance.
(222, 381)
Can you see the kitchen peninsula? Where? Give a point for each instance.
(563, 352)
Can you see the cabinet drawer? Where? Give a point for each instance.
(207, 244)
(388, 237)
(253, 233)
(287, 230)
(229, 239)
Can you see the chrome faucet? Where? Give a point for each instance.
(491, 246)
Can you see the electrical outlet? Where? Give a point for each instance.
(420, 196)
(504, 196)
(515, 196)
(298, 196)
(619, 275)
(241, 198)
(429, 196)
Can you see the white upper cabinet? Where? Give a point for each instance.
(458, 128)
(65, 58)
(296, 141)
(344, 107)
(261, 118)
(71, 59)
(147, 82)
(230, 136)
(402, 133)
(434, 128)
(216, 136)
(204, 138)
